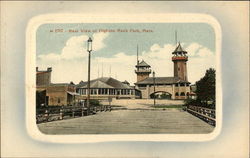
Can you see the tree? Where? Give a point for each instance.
(206, 87)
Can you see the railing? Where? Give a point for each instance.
(180, 58)
(47, 114)
(207, 115)
(141, 70)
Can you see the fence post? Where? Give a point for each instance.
(73, 112)
(46, 114)
(61, 114)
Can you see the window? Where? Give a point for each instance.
(176, 94)
(95, 91)
(187, 94)
(182, 94)
(58, 100)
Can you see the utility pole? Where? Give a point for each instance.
(154, 86)
(175, 37)
(89, 49)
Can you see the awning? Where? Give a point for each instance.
(40, 90)
(73, 93)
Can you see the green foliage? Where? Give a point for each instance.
(206, 86)
(205, 91)
(94, 102)
(190, 101)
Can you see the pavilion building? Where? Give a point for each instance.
(107, 87)
(176, 87)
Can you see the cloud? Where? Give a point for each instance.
(68, 68)
(98, 39)
(71, 63)
(193, 48)
(75, 48)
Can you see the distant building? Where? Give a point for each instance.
(193, 92)
(53, 94)
(126, 82)
(61, 94)
(107, 87)
(43, 77)
(176, 87)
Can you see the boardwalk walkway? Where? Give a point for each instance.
(171, 121)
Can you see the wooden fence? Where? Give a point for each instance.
(207, 115)
(50, 113)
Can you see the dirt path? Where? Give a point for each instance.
(142, 103)
(130, 122)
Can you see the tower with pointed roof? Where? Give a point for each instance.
(180, 59)
(142, 70)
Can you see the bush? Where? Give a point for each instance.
(190, 101)
(94, 102)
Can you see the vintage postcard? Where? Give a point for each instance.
(125, 79)
(108, 78)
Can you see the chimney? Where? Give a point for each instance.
(49, 69)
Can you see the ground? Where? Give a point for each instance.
(142, 103)
(138, 119)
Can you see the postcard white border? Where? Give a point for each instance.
(30, 83)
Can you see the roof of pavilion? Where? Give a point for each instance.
(161, 80)
(104, 82)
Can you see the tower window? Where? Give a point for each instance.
(178, 69)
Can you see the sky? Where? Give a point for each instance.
(63, 47)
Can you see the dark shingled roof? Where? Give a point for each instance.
(126, 82)
(104, 82)
(179, 49)
(97, 84)
(161, 80)
(143, 64)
